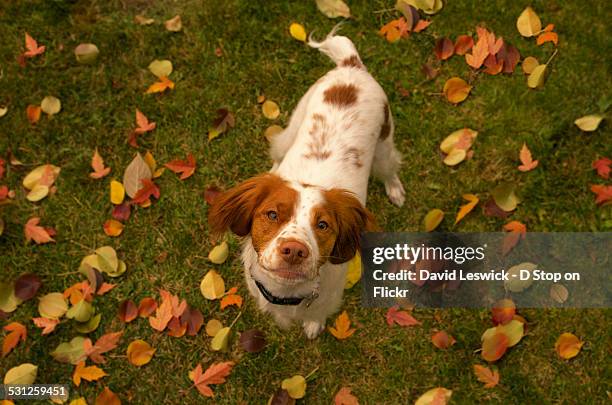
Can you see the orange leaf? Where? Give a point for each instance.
(17, 332)
(480, 51)
(463, 44)
(603, 167)
(549, 28)
(517, 231)
(494, 347)
(493, 65)
(47, 324)
(395, 30)
(231, 299)
(107, 397)
(163, 315)
(146, 191)
(442, 340)
(421, 25)
(91, 373)
(33, 113)
(146, 307)
(548, 37)
(143, 123)
(344, 397)
(503, 311)
(456, 90)
(466, 208)
(176, 328)
(97, 164)
(342, 329)
(185, 167)
(444, 48)
(36, 233)
(32, 47)
(486, 375)
(402, 318)
(527, 161)
(604, 193)
(568, 346)
(112, 227)
(215, 374)
(128, 311)
(104, 288)
(104, 344)
(140, 352)
(161, 86)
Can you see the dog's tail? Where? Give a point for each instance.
(340, 49)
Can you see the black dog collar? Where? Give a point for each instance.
(272, 299)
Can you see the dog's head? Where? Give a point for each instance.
(294, 228)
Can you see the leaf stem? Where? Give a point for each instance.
(235, 319)
(552, 56)
(311, 373)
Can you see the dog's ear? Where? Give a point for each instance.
(234, 209)
(352, 219)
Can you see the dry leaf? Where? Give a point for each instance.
(602, 166)
(334, 8)
(342, 327)
(344, 397)
(86, 53)
(466, 208)
(444, 48)
(139, 353)
(537, 77)
(174, 24)
(456, 90)
(33, 113)
(494, 347)
(185, 168)
(90, 373)
(527, 162)
(559, 293)
(36, 233)
(486, 375)
(32, 48)
(162, 85)
(548, 37)
(528, 24)
(215, 374)
(17, 332)
(107, 397)
(395, 29)
(402, 318)
(295, 386)
(136, 171)
(50, 105)
(97, 164)
(435, 396)
(442, 340)
(589, 123)
(529, 64)
(47, 325)
(112, 227)
(568, 346)
(270, 110)
(463, 44)
(298, 32)
(212, 286)
(517, 231)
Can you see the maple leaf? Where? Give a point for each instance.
(47, 324)
(90, 373)
(480, 50)
(97, 164)
(344, 397)
(342, 327)
(215, 374)
(163, 314)
(421, 25)
(517, 231)
(17, 332)
(104, 344)
(395, 29)
(402, 318)
(486, 375)
(161, 86)
(32, 47)
(143, 123)
(149, 189)
(36, 233)
(548, 37)
(601, 165)
(442, 340)
(231, 298)
(466, 208)
(185, 167)
(527, 161)
(604, 194)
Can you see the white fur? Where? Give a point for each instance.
(357, 126)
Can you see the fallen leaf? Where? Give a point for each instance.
(71, 352)
(559, 293)
(527, 162)
(435, 396)
(421, 25)
(528, 24)
(162, 85)
(146, 307)
(567, 346)
(221, 124)
(90, 373)
(345, 397)
(212, 285)
(466, 208)
(104, 288)
(480, 51)
(186, 168)
(504, 196)
(411, 14)
(97, 164)
(298, 32)
(548, 37)
(589, 123)
(253, 340)
(36, 233)
(334, 8)
(231, 298)
(444, 48)
(136, 171)
(52, 306)
(213, 326)
(18, 332)
(270, 110)
(219, 253)
(22, 374)
(105, 343)
(128, 311)
(353, 271)
(295, 386)
(86, 53)
(32, 48)
(148, 190)
(603, 194)
(215, 374)
(26, 286)
(509, 56)
(48, 325)
(142, 20)
(139, 352)
(602, 166)
(33, 113)
(194, 319)
(112, 227)
(463, 44)
(117, 192)
(537, 77)
(513, 331)
(517, 282)
(272, 131)
(456, 90)
(503, 311)
(486, 375)
(494, 347)
(107, 397)
(342, 327)
(517, 230)
(493, 65)
(174, 24)
(394, 30)
(160, 68)
(529, 64)
(50, 105)
(442, 340)
(402, 318)
(428, 6)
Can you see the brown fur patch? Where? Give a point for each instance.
(385, 129)
(353, 155)
(319, 133)
(352, 61)
(341, 95)
(326, 239)
(283, 201)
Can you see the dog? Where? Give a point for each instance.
(301, 222)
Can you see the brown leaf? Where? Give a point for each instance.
(463, 44)
(486, 375)
(105, 343)
(193, 318)
(444, 48)
(456, 90)
(517, 231)
(128, 311)
(148, 189)
(107, 397)
(527, 161)
(26, 286)
(252, 340)
(503, 311)
(429, 71)
(185, 167)
(510, 57)
(402, 318)
(146, 307)
(97, 164)
(344, 397)
(491, 209)
(122, 211)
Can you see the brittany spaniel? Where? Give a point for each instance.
(302, 221)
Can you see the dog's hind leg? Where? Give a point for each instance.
(387, 161)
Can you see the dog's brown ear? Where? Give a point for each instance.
(352, 219)
(234, 209)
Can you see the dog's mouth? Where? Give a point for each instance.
(286, 274)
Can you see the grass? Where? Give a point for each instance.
(380, 364)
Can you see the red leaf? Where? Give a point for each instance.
(36, 233)
(548, 37)
(32, 47)
(503, 311)
(604, 194)
(442, 340)
(146, 307)
(463, 44)
(106, 343)
(185, 167)
(402, 318)
(149, 189)
(26, 286)
(215, 374)
(104, 288)
(601, 165)
(128, 311)
(517, 231)
(122, 211)
(510, 57)
(421, 25)
(444, 48)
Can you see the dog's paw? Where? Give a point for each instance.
(395, 191)
(312, 329)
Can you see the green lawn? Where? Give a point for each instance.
(380, 364)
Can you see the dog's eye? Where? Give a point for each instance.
(322, 225)
(272, 215)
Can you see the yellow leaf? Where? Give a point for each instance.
(334, 8)
(22, 374)
(52, 306)
(353, 272)
(529, 63)
(221, 340)
(519, 277)
(219, 254)
(466, 208)
(456, 90)
(44, 174)
(213, 326)
(537, 77)
(174, 24)
(459, 139)
(50, 105)
(161, 68)
(455, 157)
(435, 396)
(298, 32)
(139, 352)
(295, 386)
(513, 330)
(567, 346)
(78, 401)
(342, 327)
(589, 123)
(86, 53)
(117, 192)
(433, 218)
(38, 193)
(271, 131)
(91, 373)
(161, 86)
(528, 24)
(212, 286)
(270, 110)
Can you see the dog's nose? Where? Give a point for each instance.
(293, 252)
